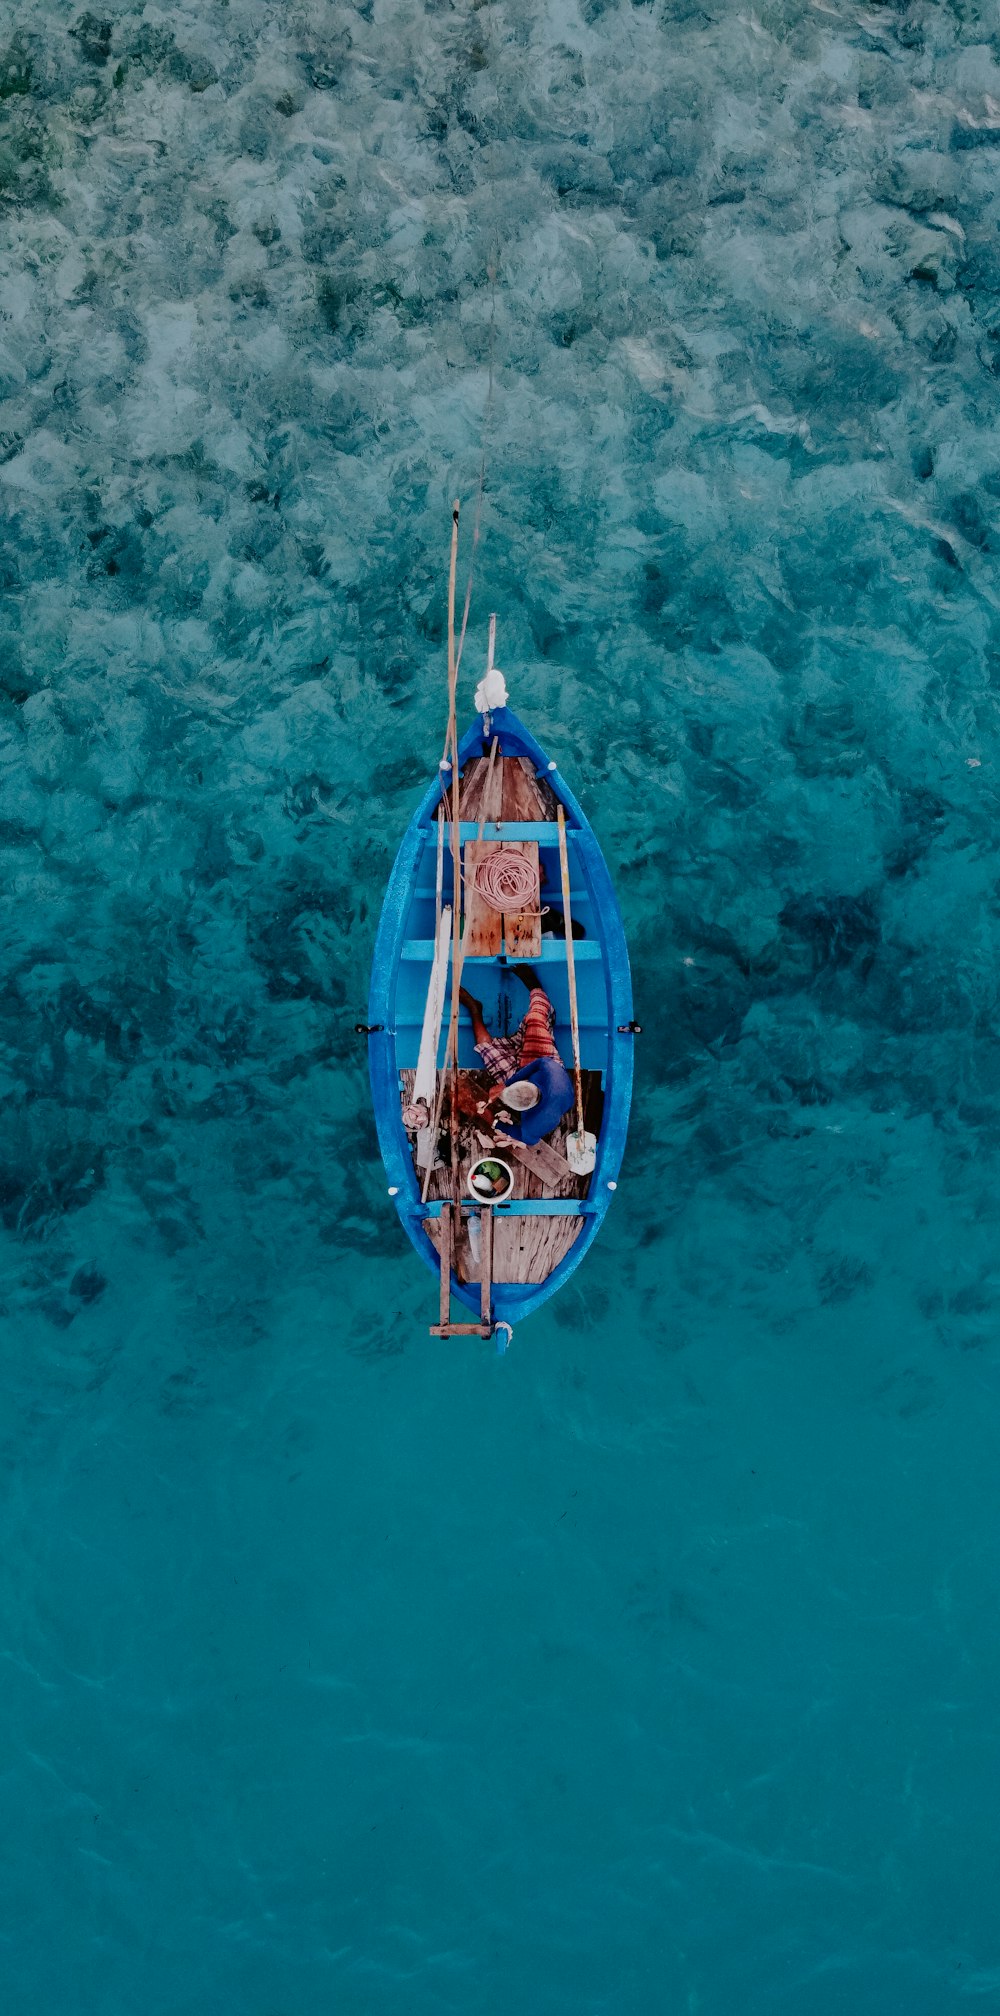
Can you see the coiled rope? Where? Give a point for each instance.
(507, 881)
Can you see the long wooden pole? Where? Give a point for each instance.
(486, 1266)
(439, 870)
(456, 854)
(445, 1287)
(459, 939)
(571, 969)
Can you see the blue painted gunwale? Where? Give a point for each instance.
(512, 1301)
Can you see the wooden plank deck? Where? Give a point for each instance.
(522, 794)
(487, 930)
(483, 926)
(522, 930)
(524, 1249)
(480, 795)
(514, 790)
(510, 791)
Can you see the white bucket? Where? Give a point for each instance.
(504, 1183)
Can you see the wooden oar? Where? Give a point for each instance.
(425, 1080)
(581, 1147)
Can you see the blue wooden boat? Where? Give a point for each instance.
(504, 1261)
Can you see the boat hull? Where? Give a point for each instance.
(512, 1301)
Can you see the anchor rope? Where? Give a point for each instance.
(492, 267)
(507, 881)
(481, 486)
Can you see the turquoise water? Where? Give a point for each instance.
(653, 1668)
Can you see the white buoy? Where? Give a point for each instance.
(491, 691)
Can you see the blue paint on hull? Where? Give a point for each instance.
(512, 1302)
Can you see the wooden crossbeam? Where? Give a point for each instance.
(461, 1329)
(523, 1207)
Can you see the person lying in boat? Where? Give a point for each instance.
(528, 1074)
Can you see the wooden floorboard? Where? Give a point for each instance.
(529, 1249)
(514, 790)
(525, 1249)
(470, 789)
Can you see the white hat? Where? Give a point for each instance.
(521, 1096)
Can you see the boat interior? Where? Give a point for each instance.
(532, 1231)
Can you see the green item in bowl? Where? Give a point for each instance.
(490, 1180)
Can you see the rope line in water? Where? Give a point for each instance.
(492, 268)
(507, 881)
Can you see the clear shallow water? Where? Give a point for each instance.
(653, 1668)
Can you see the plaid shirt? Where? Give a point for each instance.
(503, 1055)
